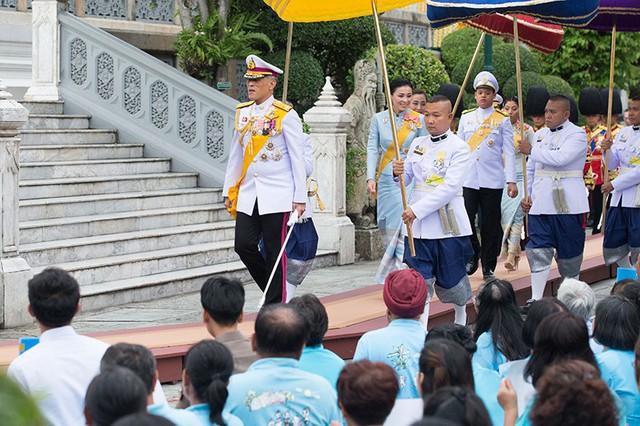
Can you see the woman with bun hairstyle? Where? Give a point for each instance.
(207, 368)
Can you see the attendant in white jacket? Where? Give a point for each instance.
(438, 165)
(558, 203)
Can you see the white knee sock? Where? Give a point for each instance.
(291, 291)
(624, 263)
(460, 314)
(424, 318)
(538, 283)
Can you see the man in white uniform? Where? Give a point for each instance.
(438, 166)
(558, 200)
(265, 178)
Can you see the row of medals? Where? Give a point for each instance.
(267, 127)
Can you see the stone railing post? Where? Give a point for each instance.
(329, 122)
(45, 68)
(14, 270)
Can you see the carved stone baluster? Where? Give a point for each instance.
(329, 122)
(14, 270)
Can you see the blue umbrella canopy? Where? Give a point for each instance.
(562, 12)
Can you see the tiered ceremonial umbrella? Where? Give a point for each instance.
(614, 16)
(561, 12)
(334, 10)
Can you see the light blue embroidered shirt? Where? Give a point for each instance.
(178, 417)
(277, 391)
(618, 373)
(487, 356)
(323, 362)
(202, 413)
(399, 344)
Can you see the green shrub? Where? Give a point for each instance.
(557, 86)
(460, 44)
(529, 78)
(417, 65)
(504, 62)
(458, 73)
(305, 79)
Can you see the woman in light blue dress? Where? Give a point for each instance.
(616, 328)
(207, 368)
(380, 154)
(512, 215)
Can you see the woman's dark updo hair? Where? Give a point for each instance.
(513, 99)
(457, 404)
(445, 363)
(460, 334)
(540, 309)
(396, 83)
(209, 365)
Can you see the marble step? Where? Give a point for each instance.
(68, 136)
(35, 153)
(75, 249)
(151, 287)
(83, 205)
(37, 231)
(87, 168)
(57, 121)
(44, 107)
(126, 266)
(45, 188)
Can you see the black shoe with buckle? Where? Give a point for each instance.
(472, 264)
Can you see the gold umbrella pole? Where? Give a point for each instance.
(392, 121)
(287, 61)
(516, 45)
(466, 77)
(609, 114)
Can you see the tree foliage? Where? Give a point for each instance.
(529, 78)
(461, 44)
(557, 86)
(583, 59)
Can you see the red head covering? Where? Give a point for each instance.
(405, 293)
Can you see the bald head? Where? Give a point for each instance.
(280, 331)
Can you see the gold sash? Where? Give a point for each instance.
(250, 152)
(403, 133)
(483, 131)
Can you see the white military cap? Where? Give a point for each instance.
(498, 99)
(487, 80)
(258, 68)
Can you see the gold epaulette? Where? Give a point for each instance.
(502, 112)
(469, 110)
(282, 106)
(244, 104)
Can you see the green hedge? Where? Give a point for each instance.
(458, 73)
(557, 86)
(529, 78)
(504, 62)
(459, 44)
(305, 79)
(417, 65)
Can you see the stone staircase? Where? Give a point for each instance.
(127, 227)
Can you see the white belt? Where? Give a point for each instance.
(626, 169)
(559, 199)
(447, 215)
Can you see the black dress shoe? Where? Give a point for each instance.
(472, 264)
(487, 274)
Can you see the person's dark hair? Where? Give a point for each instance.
(209, 365)
(445, 363)
(571, 393)
(457, 404)
(143, 419)
(540, 309)
(136, 358)
(619, 286)
(280, 330)
(561, 98)
(456, 333)
(617, 323)
(114, 393)
(561, 336)
(636, 366)
(439, 98)
(367, 391)
(398, 83)
(316, 316)
(632, 292)
(436, 421)
(499, 313)
(223, 299)
(513, 99)
(419, 92)
(54, 295)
